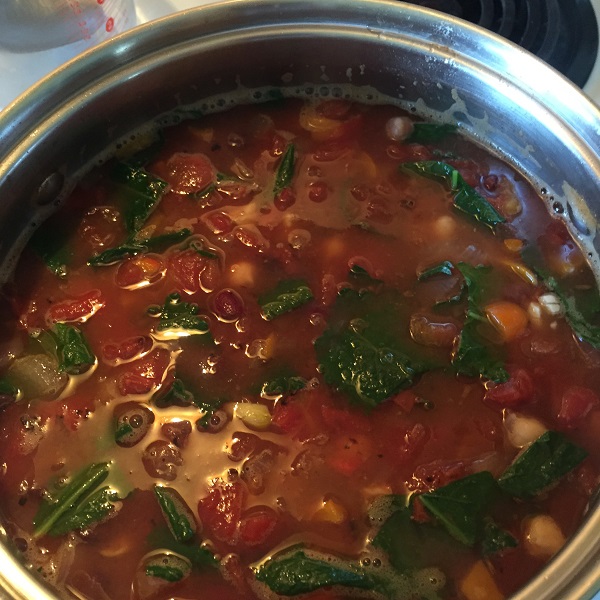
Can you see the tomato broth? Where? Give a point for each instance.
(303, 348)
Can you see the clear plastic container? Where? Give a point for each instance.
(32, 25)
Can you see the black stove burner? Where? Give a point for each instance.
(564, 33)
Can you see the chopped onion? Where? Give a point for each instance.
(36, 375)
(543, 537)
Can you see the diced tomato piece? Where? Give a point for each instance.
(220, 511)
(186, 267)
(287, 416)
(138, 271)
(419, 512)
(257, 525)
(127, 349)
(436, 474)
(144, 374)
(518, 390)
(577, 402)
(285, 199)
(78, 309)
(189, 173)
(218, 222)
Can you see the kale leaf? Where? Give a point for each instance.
(285, 171)
(460, 506)
(282, 386)
(176, 512)
(74, 354)
(546, 461)
(178, 316)
(472, 356)
(466, 198)
(297, 573)
(64, 503)
(495, 539)
(143, 193)
(133, 246)
(286, 296)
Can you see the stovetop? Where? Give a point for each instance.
(564, 33)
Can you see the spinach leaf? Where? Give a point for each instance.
(209, 409)
(93, 510)
(133, 247)
(74, 354)
(496, 539)
(287, 296)
(297, 573)
(143, 193)
(546, 461)
(168, 567)
(579, 323)
(368, 369)
(8, 389)
(49, 243)
(466, 198)
(285, 171)
(460, 505)
(201, 249)
(443, 268)
(427, 133)
(68, 499)
(176, 315)
(198, 555)
(176, 512)
(357, 272)
(282, 386)
(472, 356)
(176, 395)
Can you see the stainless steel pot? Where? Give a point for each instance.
(498, 93)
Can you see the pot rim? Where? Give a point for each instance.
(575, 571)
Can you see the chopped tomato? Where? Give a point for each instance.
(345, 419)
(145, 374)
(139, 271)
(288, 416)
(218, 222)
(221, 510)
(189, 173)
(576, 403)
(419, 513)
(405, 400)
(257, 525)
(436, 474)
(127, 349)
(186, 268)
(78, 309)
(516, 391)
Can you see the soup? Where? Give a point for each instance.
(314, 349)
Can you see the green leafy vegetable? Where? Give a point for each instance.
(496, 539)
(443, 268)
(168, 567)
(548, 459)
(144, 191)
(177, 513)
(427, 133)
(466, 198)
(367, 369)
(199, 247)
(93, 510)
(176, 395)
(361, 274)
(460, 505)
(209, 409)
(472, 357)
(198, 555)
(74, 354)
(8, 389)
(283, 386)
(176, 315)
(287, 296)
(285, 171)
(297, 573)
(49, 243)
(130, 248)
(66, 501)
(580, 324)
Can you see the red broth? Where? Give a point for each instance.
(299, 348)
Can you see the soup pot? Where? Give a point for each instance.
(244, 50)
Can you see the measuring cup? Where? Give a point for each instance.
(31, 25)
